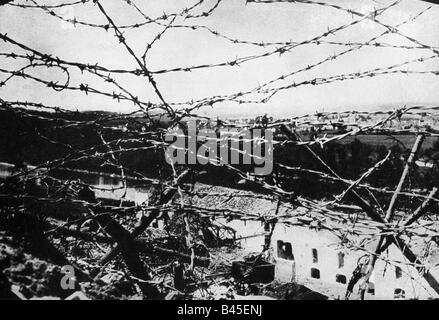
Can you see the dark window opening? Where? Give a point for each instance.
(315, 273)
(399, 293)
(315, 256)
(340, 259)
(398, 272)
(371, 289)
(340, 278)
(284, 250)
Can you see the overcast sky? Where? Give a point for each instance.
(255, 22)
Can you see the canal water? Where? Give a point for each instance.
(107, 187)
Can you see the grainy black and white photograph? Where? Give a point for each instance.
(226, 150)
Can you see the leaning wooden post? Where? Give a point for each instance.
(419, 212)
(391, 208)
(413, 153)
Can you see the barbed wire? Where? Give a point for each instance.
(182, 196)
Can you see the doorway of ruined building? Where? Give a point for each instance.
(285, 264)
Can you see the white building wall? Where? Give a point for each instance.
(248, 230)
(303, 240)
